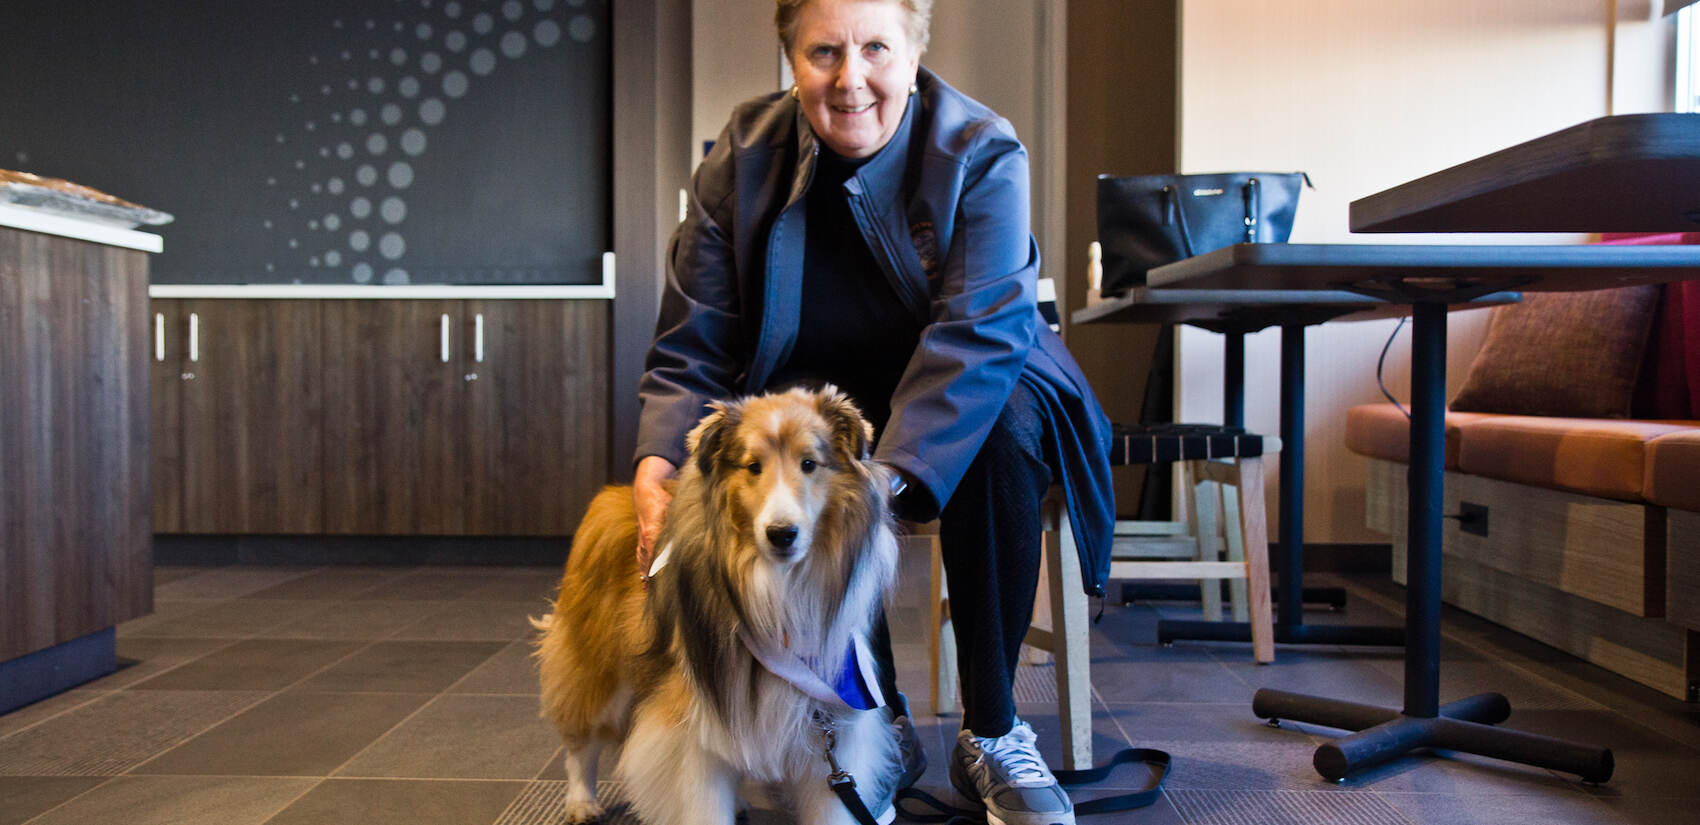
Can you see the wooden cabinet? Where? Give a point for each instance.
(75, 549)
(238, 397)
(399, 417)
(392, 424)
(537, 415)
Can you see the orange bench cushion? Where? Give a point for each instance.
(1584, 455)
(1382, 431)
(1673, 470)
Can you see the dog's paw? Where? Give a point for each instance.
(583, 812)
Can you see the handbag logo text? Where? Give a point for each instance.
(1199, 193)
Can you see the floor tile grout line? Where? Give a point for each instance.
(110, 693)
(468, 674)
(291, 803)
(97, 786)
(263, 699)
(334, 772)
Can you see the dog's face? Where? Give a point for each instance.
(776, 463)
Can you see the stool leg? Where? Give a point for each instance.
(1203, 519)
(941, 639)
(1255, 529)
(1071, 646)
(1235, 538)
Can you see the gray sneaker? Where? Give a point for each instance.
(1009, 777)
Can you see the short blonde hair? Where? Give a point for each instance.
(918, 14)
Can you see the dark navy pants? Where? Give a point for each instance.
(989, 534)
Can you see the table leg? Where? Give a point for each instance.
(1233, 379)
(1382, 733)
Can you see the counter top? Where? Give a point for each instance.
(37, 220)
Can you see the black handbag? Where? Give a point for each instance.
(1145, 221)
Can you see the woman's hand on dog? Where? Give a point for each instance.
(651, 494)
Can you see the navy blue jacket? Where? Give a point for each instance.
(944, 209)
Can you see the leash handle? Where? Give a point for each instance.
(1160, 760)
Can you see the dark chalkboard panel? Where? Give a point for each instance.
(328, 141)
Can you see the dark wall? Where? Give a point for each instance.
(329, 141)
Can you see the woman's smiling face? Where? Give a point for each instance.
(854, 63)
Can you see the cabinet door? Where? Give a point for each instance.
(393, 417)
(168, 369)
(537, 414)
(252, 455)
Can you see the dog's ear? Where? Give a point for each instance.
(852, 435)
(708, 438)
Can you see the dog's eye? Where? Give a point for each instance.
(808, 465)
(754, 467)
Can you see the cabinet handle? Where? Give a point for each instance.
(159, 336)
(443, 328)
(478, 343)
(194, 337)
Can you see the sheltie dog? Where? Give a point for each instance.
(778, 542)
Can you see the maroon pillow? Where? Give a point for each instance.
(1566, 354)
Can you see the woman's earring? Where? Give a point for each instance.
(914, 88)
(794, 95)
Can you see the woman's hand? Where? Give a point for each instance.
(651, 499)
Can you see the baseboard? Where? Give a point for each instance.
(36, 676)
(495, 551)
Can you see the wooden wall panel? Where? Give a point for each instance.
(1682, 593)
(1652, 651)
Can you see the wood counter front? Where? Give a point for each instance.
(75, 532)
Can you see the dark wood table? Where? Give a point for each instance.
(1429, 278)
(1624, 173)
(1234, 313)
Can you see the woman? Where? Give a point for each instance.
(870, 228)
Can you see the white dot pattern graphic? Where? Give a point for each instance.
(414, 71)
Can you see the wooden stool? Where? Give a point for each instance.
(1211, 454)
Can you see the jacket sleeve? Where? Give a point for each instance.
(697, 352)
(983, 318)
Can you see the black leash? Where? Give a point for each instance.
(842, 782)
(944, 812)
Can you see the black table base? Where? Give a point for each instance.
(1385, 734)
(1466, 725)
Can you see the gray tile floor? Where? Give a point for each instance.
(405, 695)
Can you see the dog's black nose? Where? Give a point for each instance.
(781, 535)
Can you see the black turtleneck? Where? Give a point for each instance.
(852, 330)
